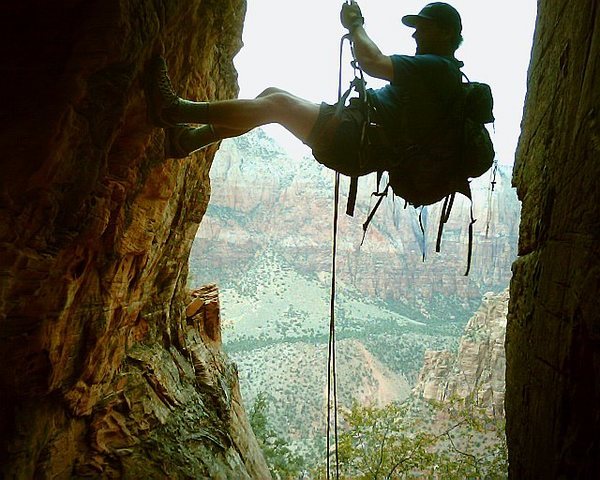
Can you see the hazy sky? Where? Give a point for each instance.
(294, 46)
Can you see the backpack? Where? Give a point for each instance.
(439, 166)
(442, 163)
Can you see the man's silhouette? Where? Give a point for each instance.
(421, 89)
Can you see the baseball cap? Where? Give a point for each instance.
(441, 13)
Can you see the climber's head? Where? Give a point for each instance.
(438, 28)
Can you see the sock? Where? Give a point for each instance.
(186, 111)
(192, 139)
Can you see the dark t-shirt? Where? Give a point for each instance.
(419, 97)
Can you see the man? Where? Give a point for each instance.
(420, 92)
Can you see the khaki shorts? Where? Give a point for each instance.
(335, 140)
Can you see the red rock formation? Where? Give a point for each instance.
(102, 375)
(553, 332)
(477, 369)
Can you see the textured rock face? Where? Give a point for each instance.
(553, 332)
(102, 375)
(477, 369)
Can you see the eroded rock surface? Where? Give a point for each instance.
(477, 369)
(102, 374)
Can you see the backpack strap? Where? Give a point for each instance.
(466, 191)
(444, 216)
(381, 195)
(470, 252)
(422, 227)
(352, 196)
(379, 177)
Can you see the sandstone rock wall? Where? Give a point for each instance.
(102, 375)
(553, 332)
(477, 369)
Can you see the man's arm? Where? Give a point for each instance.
(367, 53)
(370, 58)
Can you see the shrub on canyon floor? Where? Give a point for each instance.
(450, 440)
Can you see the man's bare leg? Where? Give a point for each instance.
(221, 119)
(231, 118)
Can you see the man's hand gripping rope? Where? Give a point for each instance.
(351, 16)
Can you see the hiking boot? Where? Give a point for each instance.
(182, 140)
(165, 107)
(161, 97)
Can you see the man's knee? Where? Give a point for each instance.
(271, 91)
(279, 101)
(294, 113)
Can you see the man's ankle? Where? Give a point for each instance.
(186, 111)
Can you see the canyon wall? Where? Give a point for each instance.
(553, 331)
(102, 373)
(476, 370)
(264, 199)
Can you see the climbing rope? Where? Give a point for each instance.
(331, 366)
(332, 403)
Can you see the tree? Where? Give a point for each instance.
(380, 445)
(472, 442)
(283, 463)
(438, 440)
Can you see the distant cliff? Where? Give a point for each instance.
(263, 198)
(477, 369)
